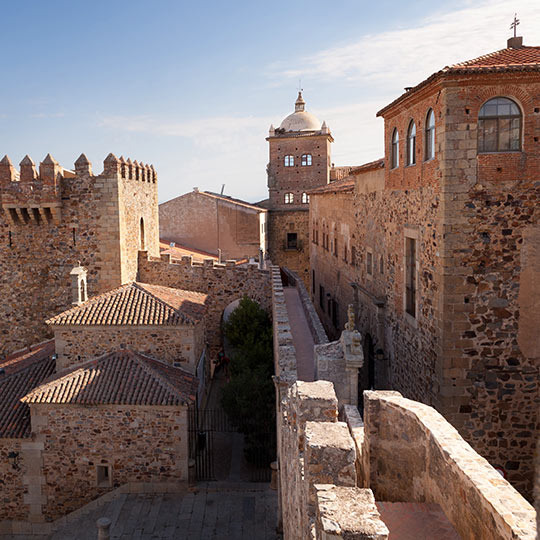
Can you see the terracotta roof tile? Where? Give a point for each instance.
(22, 373)
(522, 59)
(339, 186)
(138, 304)
(523, 56)
(120, 378)
(178, 251)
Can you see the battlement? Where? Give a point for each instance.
(34, 196)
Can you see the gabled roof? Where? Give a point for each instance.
(118, 378)
(22, 372)
(137, 304)
(510, 60)
(345, 185)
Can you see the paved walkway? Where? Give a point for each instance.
(416, 521)
(301, 334)
(212, 512)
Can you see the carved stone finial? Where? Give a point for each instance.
(7, 171)
(83, 165)
(28, 169)
(350, 318)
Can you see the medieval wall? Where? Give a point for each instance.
(416, 455)
(140, 444)
(50, 221)
(172, 344)
(208, 223)
(12, 489)
(490, 357)
(222, 283)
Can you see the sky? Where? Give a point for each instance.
(192, 87)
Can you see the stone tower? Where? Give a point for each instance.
(299, 162)
(52, 219)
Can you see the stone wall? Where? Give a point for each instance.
(316, 454)
(53, 219)
(208, 222)
(222, 283)
(281, 223)
(12, 489)
(140, 444)
(416, 455)
(185, 344)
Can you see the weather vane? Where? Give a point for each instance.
(514, 24)
(300, 89)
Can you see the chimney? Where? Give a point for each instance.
(515, 42)
(78, 285)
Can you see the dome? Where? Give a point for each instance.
(300, 119)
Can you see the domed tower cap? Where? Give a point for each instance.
(300, 119)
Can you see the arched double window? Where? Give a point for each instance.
(288, 161)
(411, 144)
(499, 126)
(395, 149)
(429, 143)
(305, 198)
(306, 160)
(289, 198)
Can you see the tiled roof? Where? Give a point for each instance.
(339, 186)
(118, 378)
(523, 56)
(22, 372)
(178, 251)
(232, 200)
(137, 304)
(510, 60)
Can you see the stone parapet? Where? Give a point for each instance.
(416, 455)
(349, 513)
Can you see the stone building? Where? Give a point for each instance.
(214, 223)
(437, 247)
(55, 217)
(299, 161)
(163, 322)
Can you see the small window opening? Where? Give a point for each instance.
(288, 161)
(103, 475)
(292, 240)
(141, 236)
(306, 160)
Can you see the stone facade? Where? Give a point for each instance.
(299, 161)
(54, 218)
(215, 224)
(12, 490)
(221, 282)
(77, 439)
(176, 344)
(469, 348)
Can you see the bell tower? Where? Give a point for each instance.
(299, 161)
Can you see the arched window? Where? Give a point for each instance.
(429, 146)
(288, 161)
(305, 198)
(306, 160)
(141, 236)
(289, 198)
(411, 144)
(499, 126)
(395, 149)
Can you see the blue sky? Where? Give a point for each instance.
(192, 87)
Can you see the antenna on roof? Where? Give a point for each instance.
(514, 24)
(222, 189)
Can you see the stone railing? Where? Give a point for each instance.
(317, 470)
(407, 452)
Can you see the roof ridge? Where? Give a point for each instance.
(182, 316)
(142, 361)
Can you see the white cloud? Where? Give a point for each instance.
(406, 56)
(47, 115)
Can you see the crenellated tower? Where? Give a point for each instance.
(53, 218)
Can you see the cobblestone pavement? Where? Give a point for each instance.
(301, 335)
(213, 512)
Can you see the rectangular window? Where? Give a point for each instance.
(410, 276)
(313, 282)
(334, 313)
(292, 241)
(321, 297)
(369, 263)
(335, 247)
(103, 476)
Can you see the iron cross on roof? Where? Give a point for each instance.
(514, 24)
